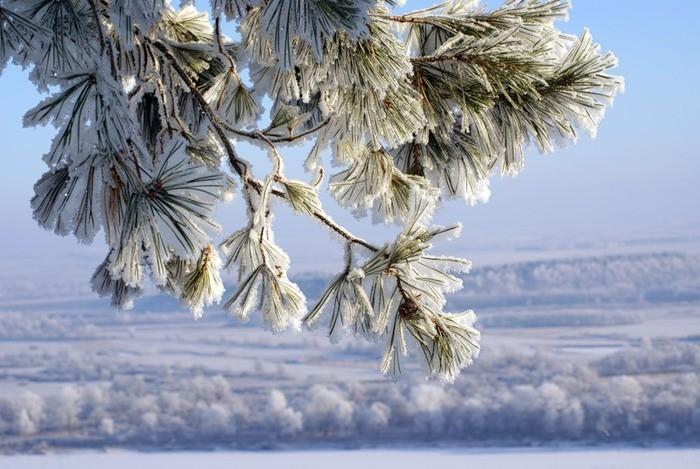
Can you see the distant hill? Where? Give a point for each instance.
(629, 279)
(651, 278)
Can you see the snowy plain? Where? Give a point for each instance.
(497, 458)
(590, 357)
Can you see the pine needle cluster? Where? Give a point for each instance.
(149, 101)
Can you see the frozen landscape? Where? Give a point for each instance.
(587, 352)
(233, 152)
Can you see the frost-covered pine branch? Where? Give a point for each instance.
(149, 100)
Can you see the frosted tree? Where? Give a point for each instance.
(149, 100)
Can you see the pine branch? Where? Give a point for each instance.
(148, 101)
(239, 166)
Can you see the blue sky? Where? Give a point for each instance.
(638, 178)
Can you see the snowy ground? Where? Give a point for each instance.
(503, 458)
(587, 348)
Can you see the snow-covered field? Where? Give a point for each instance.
(502, 458)
(584, 350)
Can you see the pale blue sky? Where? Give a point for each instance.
(637, 178)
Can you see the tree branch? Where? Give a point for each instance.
(292, 138)
(220, 44)
(240, 166)
(260, 134)
(409, 19)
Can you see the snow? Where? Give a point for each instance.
(577, 360)
(492, 458)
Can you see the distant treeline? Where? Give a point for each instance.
(639, 278)
(559, 319)
(646, 394)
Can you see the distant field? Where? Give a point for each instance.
(584, 351)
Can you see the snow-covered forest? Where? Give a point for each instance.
(611, 279)
(647, 394)
(593, 362)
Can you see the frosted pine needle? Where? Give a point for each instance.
(150, 103)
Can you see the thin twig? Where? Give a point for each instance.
(259, 134)
(220, 44)
(325, 219)
(408, 19)
(292, 138)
